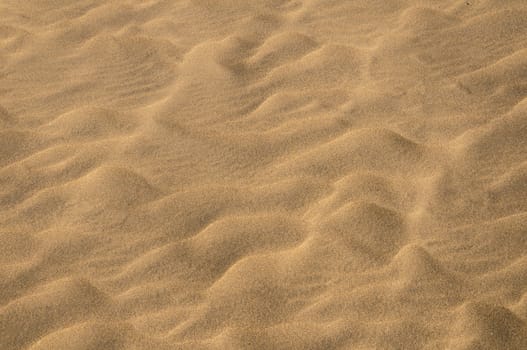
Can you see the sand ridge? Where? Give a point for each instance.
(274, 174)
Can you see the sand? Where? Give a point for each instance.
(271, 174)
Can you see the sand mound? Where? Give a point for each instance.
(112, 186)
(61, 303)
(487, 326)
(368, 226)
(90, 123)
(355, 150)
(274, 174)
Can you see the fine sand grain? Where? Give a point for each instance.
(263, 174)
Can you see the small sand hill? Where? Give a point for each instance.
(273, 174)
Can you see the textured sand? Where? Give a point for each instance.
(271, 174)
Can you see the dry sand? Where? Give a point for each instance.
(249, 174)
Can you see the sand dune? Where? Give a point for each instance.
(273, 174)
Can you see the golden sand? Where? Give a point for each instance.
(271, 174)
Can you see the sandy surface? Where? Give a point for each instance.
(243, 174)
